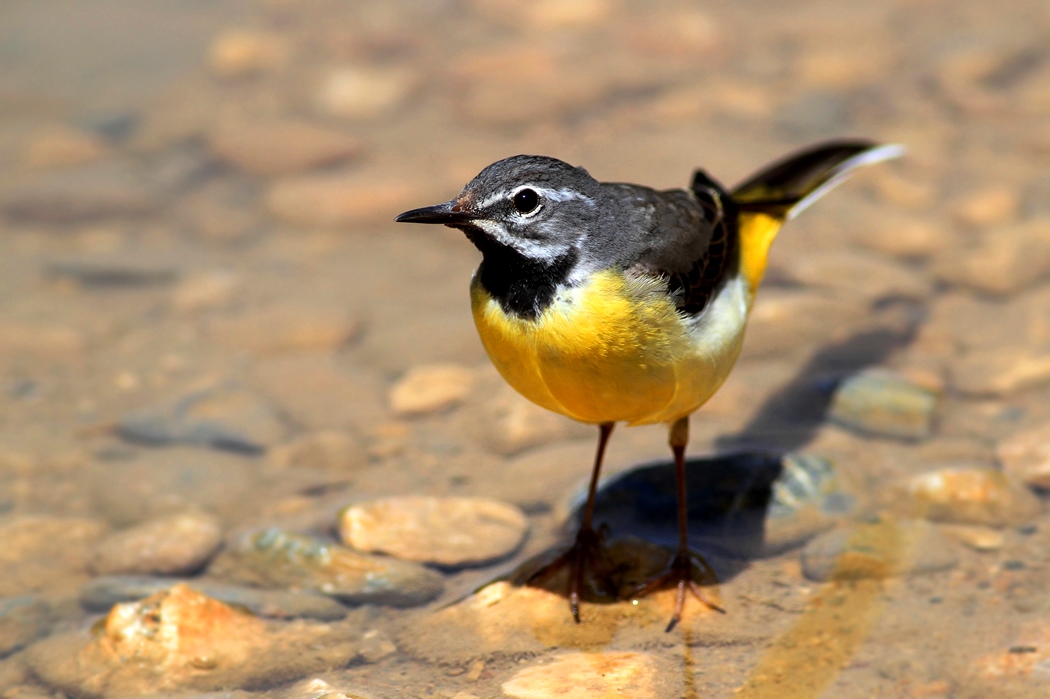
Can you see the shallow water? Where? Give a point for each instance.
(205, 306)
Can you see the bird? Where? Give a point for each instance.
(616, 303)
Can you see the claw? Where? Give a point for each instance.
(680, 573)
(586, 550)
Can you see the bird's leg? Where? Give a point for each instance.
(680, 569)
(585, 548)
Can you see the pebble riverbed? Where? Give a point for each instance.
(251, 447)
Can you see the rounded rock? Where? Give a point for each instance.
(1026, 456)
(885, 404)
(281, 147)
(357, 92)
(240, 53)
(174, 545)
(878, 550)
(450, 532)
(604, 675)
(972, 495)
(428, 389)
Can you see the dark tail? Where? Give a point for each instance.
(788, 186)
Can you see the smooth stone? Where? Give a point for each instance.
(975, 537)
(601, 675)
(993, 205)
(878, 550)
(242, 53)
(62, 146)
(22, 620)
(1026, 456)
(100, 594)
(40, 340)
(42, 553)
(328, 450)
(336, 201)
(1005, 261)
(223, 417)
(182, 640)
(363, 92)
(99, 191)
(285, 328)
(204, 291)
(281, 147)
(274, 558)
(430, 388)
(112, 271)
(807, 499)
(972, 495)
(449, 532)
(173, 545)
(881, 403)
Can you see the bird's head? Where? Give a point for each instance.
(539, 207)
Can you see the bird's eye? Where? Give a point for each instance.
(526, 201)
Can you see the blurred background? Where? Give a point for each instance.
(205, 307)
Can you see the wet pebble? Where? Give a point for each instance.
(285, 328)
(336, 201)
(329, 450)
(274, 558)
(182, 640)
(112, 271)
(449, 532)
(1026, 456)
(43, 553)
(223, 417)
(364, 92)
(204, 291)
(972, 495)
(98, 191)
(806, 500)
(40, 340)
(100, 594)
(428, 389)
(22, 620)
(994, 205)
(882, 403)
(241, 53)
(975, 537)
(62, 146)
(172, 545)
(601, 675)
(1006, 261)
(878, 550)
(281, 147)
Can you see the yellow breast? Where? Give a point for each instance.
(615, 349)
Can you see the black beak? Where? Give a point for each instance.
(448, 213)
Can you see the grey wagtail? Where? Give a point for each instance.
(611, 302)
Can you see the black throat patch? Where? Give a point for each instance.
(521, 285)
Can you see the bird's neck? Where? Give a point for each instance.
(523, 286)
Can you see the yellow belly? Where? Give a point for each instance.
(615, 349)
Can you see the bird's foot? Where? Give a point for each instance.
(680, 573)
(585, 552)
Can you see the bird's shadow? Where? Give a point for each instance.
(730, 493)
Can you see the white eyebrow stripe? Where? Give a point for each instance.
(558, 195)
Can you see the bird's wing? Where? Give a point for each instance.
(688, 238)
